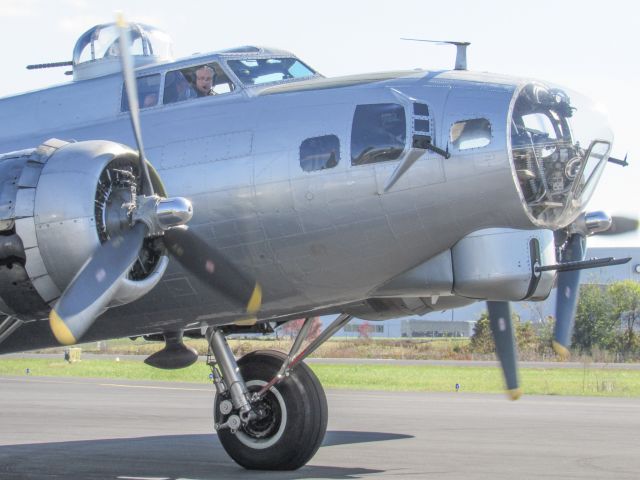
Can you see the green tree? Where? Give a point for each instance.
(526, 336)
(625, 312)
(482, 340)
(593, 324)
(545, 336)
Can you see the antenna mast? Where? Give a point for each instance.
(461, 50)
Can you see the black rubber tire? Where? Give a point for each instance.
(306, 416)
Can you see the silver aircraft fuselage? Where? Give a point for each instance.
(316, 241)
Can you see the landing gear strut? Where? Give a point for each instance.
(268, 414)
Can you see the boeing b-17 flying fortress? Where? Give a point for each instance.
(233, 191)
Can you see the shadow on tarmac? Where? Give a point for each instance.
(162, 457)
(346, 437)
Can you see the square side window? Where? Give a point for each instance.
(467, 134)
(319, 153)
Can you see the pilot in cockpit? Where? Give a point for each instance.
(204, 81)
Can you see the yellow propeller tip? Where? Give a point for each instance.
(246, 322)
(60, 329)
(515, 393)
(561, 350)
(256, 300)
(120, 21)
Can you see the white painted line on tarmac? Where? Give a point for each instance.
(144, 478)
(71, 382)
(154, 387)
(40, 380)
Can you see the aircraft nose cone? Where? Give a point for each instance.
(560, 144)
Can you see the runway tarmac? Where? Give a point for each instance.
(52, 428)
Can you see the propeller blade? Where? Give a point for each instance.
(503, 336)
(212, 268)
(567, 291)
(621, 225)
(132, 96)
(94, 285)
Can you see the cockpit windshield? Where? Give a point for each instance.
(560, 144)
(266, 70)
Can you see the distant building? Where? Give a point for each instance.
(435, 328)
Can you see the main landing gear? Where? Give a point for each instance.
(270, 410)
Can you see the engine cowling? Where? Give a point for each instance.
(69, 197)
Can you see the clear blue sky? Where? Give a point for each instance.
(589, 46)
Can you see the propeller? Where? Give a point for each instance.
(504, 339)
(568, 282)
(92, 289)
(213, 268)
(621, 225)
(568, 285)
(126, 61)
(568, 288)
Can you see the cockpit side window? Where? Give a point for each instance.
(148, 92)
(467, 134)
(378, 133)
(198, 81)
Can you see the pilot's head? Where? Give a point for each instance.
(204, 80)
(150, 100)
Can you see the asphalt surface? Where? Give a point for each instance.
(53, 428)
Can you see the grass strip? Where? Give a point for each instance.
(408, 378)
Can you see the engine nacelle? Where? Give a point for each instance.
(68, 198)
(388, 308)
(490, 264)
(500, 264)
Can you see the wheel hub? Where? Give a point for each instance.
(267, 420)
